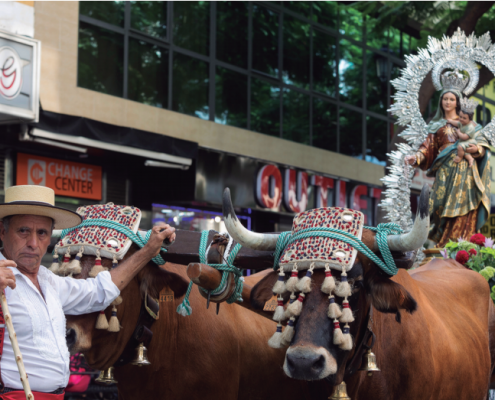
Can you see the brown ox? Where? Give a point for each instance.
(205, 355)
(437, 349)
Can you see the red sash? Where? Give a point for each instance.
(20, 395)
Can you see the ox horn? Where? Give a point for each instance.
(414, 239)
(252, 240)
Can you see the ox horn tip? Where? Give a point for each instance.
(423, 205)
(228, 208)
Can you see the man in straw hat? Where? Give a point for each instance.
(38, 299)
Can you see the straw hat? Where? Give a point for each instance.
(37, 200)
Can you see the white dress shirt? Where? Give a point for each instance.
(40, 324)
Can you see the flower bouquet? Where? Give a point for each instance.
(477, 254)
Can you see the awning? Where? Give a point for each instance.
(80, 132)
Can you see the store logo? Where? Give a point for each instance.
(36, 172)
(10, 73)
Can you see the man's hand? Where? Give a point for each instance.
(472, 148)
(7, 277)
(160, 232)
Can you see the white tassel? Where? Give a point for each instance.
(65, 262)
(334, 311)
(279, 287)
(97, 268)
(102, 322)
(293, 280)
(288, 333)
(347, 339)
(304, 284)
(113, 325)
(329, 282)
(55, 267)
(279, 313)
(292, 300)
(295, 308)
(347, 316)
(343, 289)
(275, 342)
(74, 266)
(117, 301)
(338, 336)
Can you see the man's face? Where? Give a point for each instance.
(27, 240)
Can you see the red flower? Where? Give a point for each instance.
(462, 257)
(473, 252)
(478, 239)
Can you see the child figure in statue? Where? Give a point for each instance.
(467, 130)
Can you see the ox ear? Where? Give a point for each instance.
(388, 296)
(262, 291)
(155, 279)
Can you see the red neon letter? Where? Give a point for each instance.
(263, 193)
(341, 194)
(357, 202)
(322, 184)
(293, 190)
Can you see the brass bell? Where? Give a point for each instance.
(369, 363)
(106, 377)
(141, 356)
(340, 392)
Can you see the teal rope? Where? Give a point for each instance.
(382, 231)
(185, 308)
(119, 228)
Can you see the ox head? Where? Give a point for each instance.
(102, 348)
(312, 354)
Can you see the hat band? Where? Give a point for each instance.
(30, 203)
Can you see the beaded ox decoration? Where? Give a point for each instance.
(100, 241)
(317, 252)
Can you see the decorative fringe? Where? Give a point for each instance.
(279, 286)
(304, 284)
(114, 325)
(74, 266)
(334, 311)
(343, 289)
(347, 316)
(292, 300)
(97, 268)
(338, 336)
(295, 308)
(288, 333)
(184, 309)
(279, 313)
(102, 322)
(65, 262)
(329, 282)
(114, 262)
(291, 283)
(275, 342)
(347, 342)
(55, 267)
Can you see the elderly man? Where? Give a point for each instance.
(38, 299)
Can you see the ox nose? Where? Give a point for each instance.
(307, 366)
(70, 337)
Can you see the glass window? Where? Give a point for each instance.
(405, 43)
(106, 11)
(296, 116)
(190, 86)
(324, 125)
(192, 25)
(296, 52)
(325, 13)
(376, 140)
(324, 63)
(376, 82)
(100, 60)
(376, 37)
(232, 32)
(351, 73)
(148, 74)
(301, 7)
(395, 43)
(351, 23)
(150, 17)
(265, 40)
(265, 107)
(231, 98)
(351, 133)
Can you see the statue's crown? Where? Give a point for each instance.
(468, 105)
(454, 80)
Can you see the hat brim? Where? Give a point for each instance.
(62, 218)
